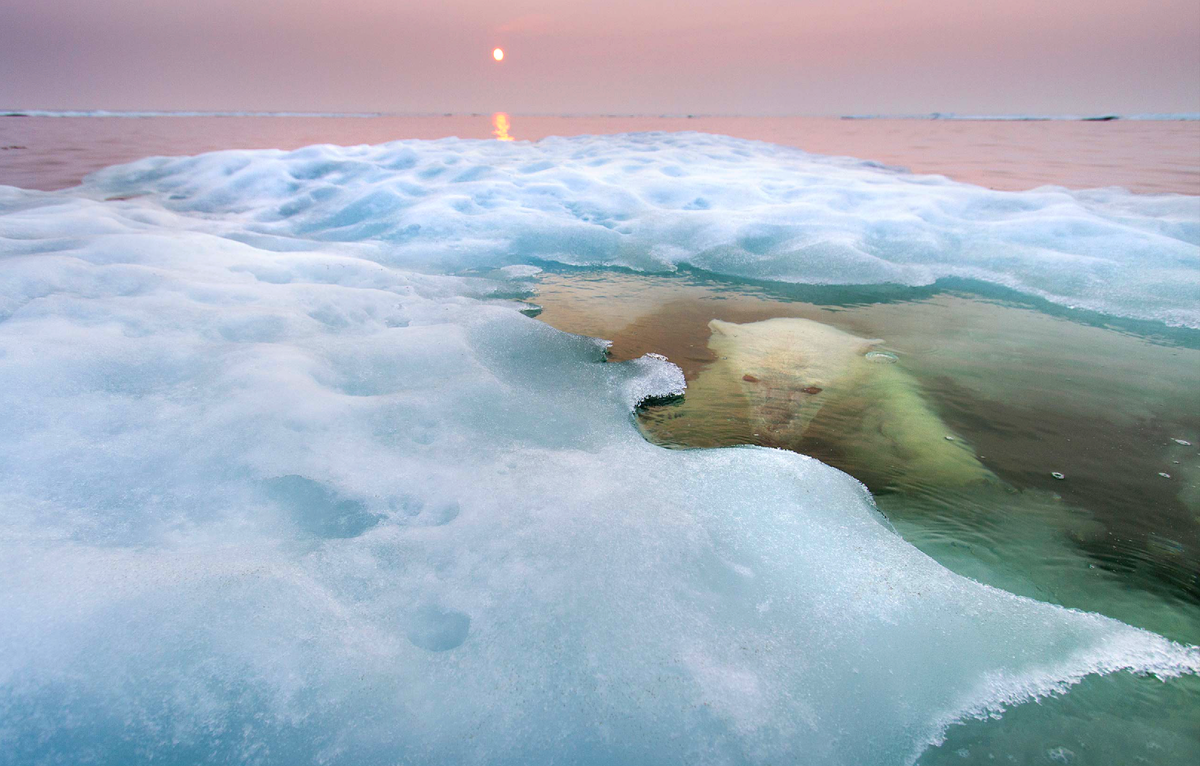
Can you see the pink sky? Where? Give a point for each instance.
(615, 56)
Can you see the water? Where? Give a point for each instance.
(1003, 391)
(1142, 156)
(1032, 394)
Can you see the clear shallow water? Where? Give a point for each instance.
(1032, 394)
(385, 457)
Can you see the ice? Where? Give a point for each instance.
(279, 489)
(660, 201)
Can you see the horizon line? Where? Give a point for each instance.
(149, 113)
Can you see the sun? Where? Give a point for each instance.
(498, 54)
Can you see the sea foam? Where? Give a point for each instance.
(277, 488)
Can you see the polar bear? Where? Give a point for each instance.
(788, 370)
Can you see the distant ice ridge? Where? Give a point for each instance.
(1100, 116)
(268, 497)
(655, 202)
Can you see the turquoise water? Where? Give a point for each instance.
(1033, 394)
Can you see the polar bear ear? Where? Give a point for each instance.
(721, 328)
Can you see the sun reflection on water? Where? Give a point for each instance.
(500, 126)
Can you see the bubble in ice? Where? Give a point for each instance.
(1060, 755)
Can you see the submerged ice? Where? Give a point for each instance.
(278, 488)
